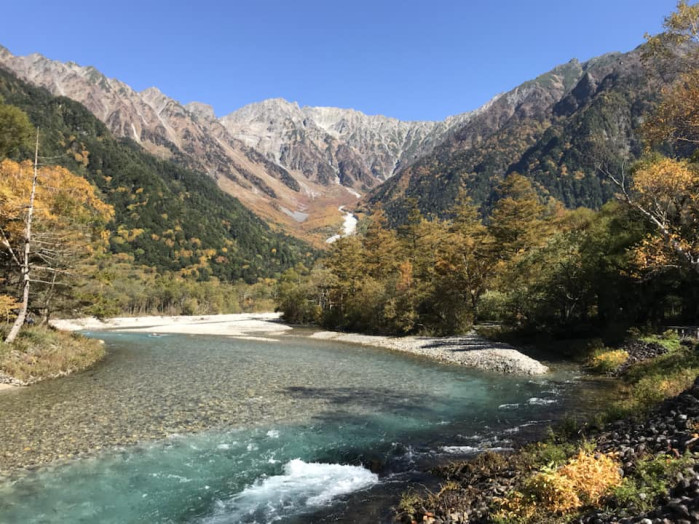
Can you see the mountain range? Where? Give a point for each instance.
(562, 130)
(167, 218)
(295, 166)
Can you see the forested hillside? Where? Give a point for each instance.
(557, 130)
(165, 216)
(531, 263)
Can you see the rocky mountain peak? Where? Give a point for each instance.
(334, 145)
(295, 164)
(200, 110)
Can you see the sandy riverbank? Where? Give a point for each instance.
(469, 350)
(236, 325)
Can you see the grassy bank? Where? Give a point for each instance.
(630, 459)
(40, 353)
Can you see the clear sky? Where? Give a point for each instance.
(413, 60)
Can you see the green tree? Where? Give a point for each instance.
(517, 222)
(16, 130)
(463, 268)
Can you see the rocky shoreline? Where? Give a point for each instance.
(668, 431)
(671, 430)
(470, 350)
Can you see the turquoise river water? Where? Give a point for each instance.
(221, 430)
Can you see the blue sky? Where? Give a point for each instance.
(413, 60)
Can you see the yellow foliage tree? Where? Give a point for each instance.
(50, 219)
(666, 193)
(664, 190)
(7, 306)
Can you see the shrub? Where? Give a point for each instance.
(650, 382)
(670, 340)
(548, 453)
(582, 481)
(39, 353)
(651, 479)
(607, 361)
(410, 503)
(592, 474)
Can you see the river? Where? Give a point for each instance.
(206, 429)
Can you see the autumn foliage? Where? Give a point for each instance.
(582, 481)
(68, 228)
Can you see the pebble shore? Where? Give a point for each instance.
(668, 431)
(469, 350)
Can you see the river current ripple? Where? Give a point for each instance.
(179, 428)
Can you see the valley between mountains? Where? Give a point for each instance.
(296, 314)
(295, 166)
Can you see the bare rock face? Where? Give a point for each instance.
(332, 145)
(279, 159)
(285, 162)
(201, 111)
(190, 134)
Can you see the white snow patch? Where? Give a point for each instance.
(349, 226)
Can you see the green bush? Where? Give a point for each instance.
(651, 480)
(670, 340)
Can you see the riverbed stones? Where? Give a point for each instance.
(668, 430)
(471, 350)
(639, 351)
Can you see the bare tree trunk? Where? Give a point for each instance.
(19, 321)
(47, 301)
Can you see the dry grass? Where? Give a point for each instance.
(582, 481)
(40, 353)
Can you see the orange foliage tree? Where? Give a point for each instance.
(665, 190)
(50, 220)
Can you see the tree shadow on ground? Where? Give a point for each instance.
(459, 344)
(374, 398)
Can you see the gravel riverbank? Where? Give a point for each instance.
(469, 350)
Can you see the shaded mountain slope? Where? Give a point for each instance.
(167, 216)
(557, 129)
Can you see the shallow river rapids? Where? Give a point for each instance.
(181, 428)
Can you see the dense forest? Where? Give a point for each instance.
(165, 216)
(167, 241)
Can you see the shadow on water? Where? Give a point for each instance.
(370, 398)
